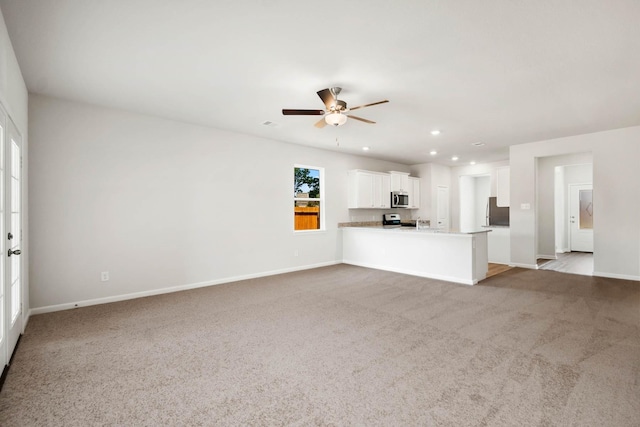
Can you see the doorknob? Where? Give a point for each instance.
(16, 252)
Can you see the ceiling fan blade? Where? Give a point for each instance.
(320, 123)
(327, 97)
(369, 105)
(302, 112)
(361, 119)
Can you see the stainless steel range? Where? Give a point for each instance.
(391, 220)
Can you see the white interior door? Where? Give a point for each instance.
(581, 217)
(4, 306)
(12, 184)
(442, 207)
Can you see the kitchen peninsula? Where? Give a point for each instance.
(453, 256)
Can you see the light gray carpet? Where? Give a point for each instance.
(340, 345)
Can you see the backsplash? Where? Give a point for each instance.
(359, 215)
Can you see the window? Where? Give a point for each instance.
(308, 206)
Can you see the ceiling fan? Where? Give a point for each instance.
(335, 114)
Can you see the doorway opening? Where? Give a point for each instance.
(573, 212)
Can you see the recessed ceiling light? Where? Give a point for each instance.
(472, 162)
(365, 148)
(454, 158)
(435, 132)
(478, 144)
(433, 152)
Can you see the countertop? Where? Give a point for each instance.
(399, 229)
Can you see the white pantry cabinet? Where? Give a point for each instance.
(369, 190)
(502, 186)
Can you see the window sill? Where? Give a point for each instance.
(309, 231)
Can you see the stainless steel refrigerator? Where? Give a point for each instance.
(497, 215)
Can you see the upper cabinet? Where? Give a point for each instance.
(369, 190)
(372, 190)
(414, 193)
(502, 186)
(399, 181)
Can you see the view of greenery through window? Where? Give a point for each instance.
(306, 195)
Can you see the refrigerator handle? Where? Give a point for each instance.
(487, 215)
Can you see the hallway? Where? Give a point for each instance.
(570, 262)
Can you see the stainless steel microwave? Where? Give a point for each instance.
(399, 199)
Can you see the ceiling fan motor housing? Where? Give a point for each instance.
(339, 105)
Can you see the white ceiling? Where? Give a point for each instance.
(502, 72)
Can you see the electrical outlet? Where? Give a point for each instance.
(295, 253)
(104, 276)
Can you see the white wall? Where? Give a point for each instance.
(482, 194)
(467, 190)
(560, 213)
(163, 204)
(473, 171)
(14, 100)
(616, 183)
(432, 175)
(474, 194)
(13, 91)
(545, 197)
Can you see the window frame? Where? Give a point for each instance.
(320, 199)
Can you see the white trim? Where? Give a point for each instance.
(540, 256)
(124, 297)
(530, 266)
(320, 200)
(501, 263)
(616, 276)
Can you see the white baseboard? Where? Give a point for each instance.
(616, 276)
(529, 266)
(124, 297)
(541, 256)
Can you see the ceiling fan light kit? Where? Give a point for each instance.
(336, 109)
(335, 119)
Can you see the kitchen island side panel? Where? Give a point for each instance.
(453, 257)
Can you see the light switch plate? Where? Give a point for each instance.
(525, 206)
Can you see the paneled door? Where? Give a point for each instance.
(4, 318)
(442, 208)
(581, 217)
(11, 230)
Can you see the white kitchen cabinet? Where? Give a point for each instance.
(369, 190)
(502, 186)
(414, 193)
(399, 181)
(382, 191)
